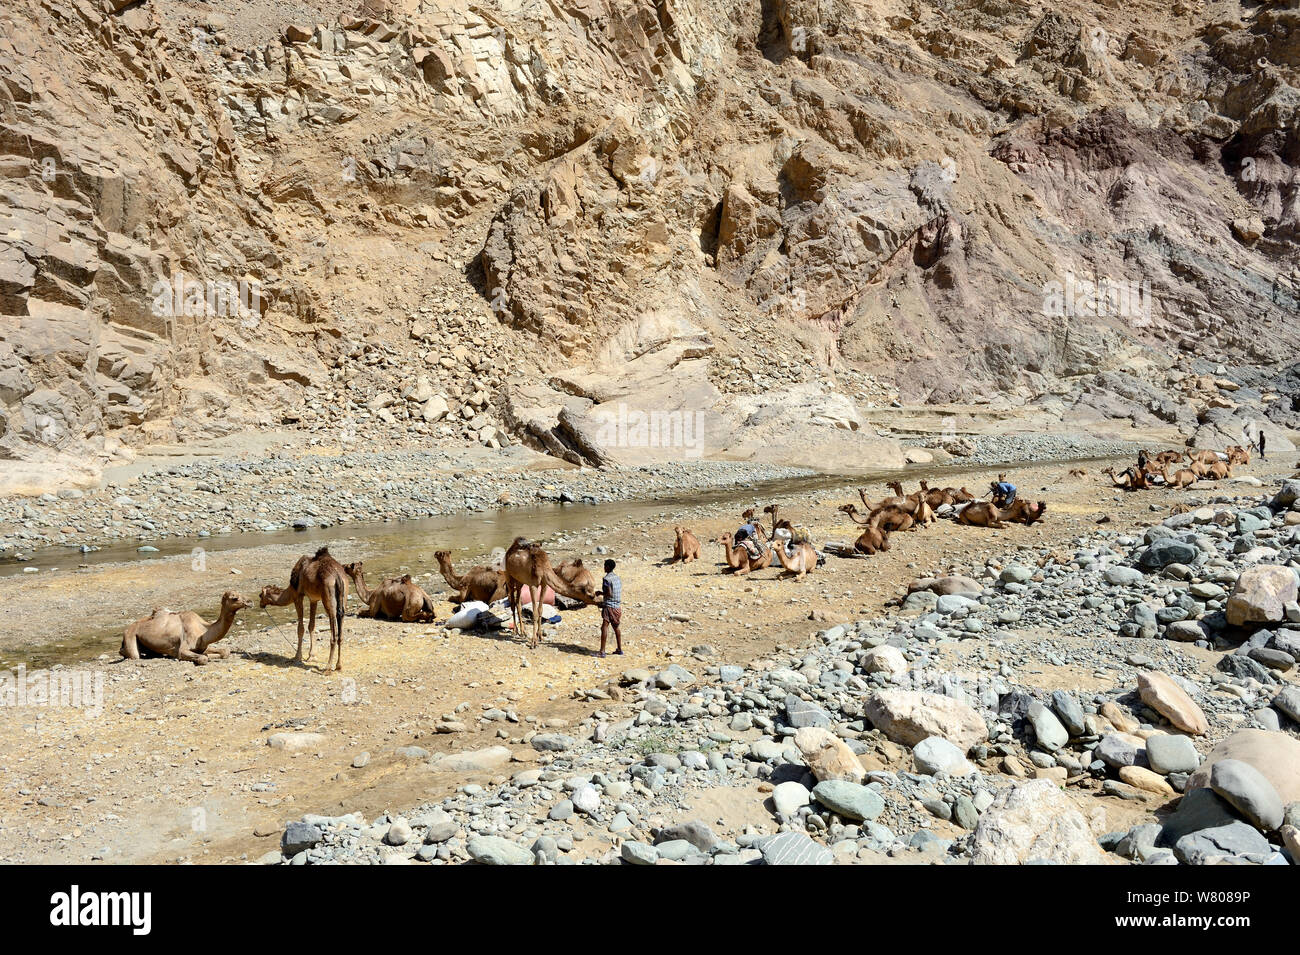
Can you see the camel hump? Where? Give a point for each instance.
(323, 552)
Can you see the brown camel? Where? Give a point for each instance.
(182, 636)
(740, 560)
(1134, 478)
(1183, 477)
(478, 583)
(803, 563)
(987, 514)
(527, 565)
(1167, 457)
(1238, 454)
(687, 547)
(888, 517)
(318, 579)
(937, 497)
(579, 578)
(397, 598)
(1205, 457)
(872, 539)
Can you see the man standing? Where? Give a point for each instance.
(611, 608)
(1261, 445)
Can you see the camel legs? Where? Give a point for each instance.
(130, 650)
(298, 603)
(537, 615)
(336, 632)
(311, 632)
(185, 653)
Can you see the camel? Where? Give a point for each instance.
(527, 565)
(478, 583)
(883, 502)
(889, 517)
(1238, 454)
(182, 636)
(1205, 457)
(778, 522)
(687, 547)
(937, 497)
(871, 540)
(1135, 479)
(318, 579)
(740, 560)
(803, 563)
(579, 578)
(397, 598)
(986, 514)
(1182, 478)
(1167, 457)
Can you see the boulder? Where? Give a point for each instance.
(1276, 755)
(850, 800)
(1248, 791)
(1169, 753)
(793, 848)
(473, 761)
(1034, 822)
(828, 756)
(938, 755)
(885, 659)
(909, 716)
(493, 850)
(1162, 694)
(1261, 595)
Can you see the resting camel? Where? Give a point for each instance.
(478, 583)
(687, 547)
(986, 514)
(527, 565)
(803, 563)
(182, 636)
(1238, 455)
(397, 598)
(1182, 478)
(1205, 457)
(1167, 457)
(1135, 479)
(318, 579)
(890, 517)
(739, 558)
(871, 540)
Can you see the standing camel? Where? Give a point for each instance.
(319, 579)
(527, 565)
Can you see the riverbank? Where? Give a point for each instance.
(178, 764)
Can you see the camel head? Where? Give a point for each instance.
(354, 569)
(269, 595)
(748, 515)
(925, 486)
(232, 601)
(442, 557)
(895, 486)
(848, 508)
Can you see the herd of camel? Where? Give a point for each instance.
(1202, 466)
(526, 573)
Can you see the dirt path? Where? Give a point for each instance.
(177, 767)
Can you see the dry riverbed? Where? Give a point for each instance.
(177, 766)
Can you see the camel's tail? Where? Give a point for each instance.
(340, 599)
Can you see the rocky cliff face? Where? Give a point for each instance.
(517, 220)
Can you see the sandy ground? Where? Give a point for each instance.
(176, 766)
